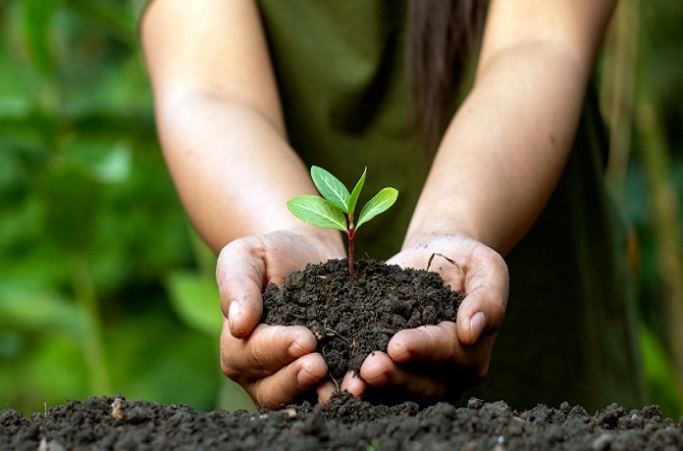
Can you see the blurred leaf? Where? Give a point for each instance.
(38, 311)
(10, 344)
(52, 366)
(114, 16)
(38, 15)
(160, 360)
(116, 166)
(195, 299)
(73, 200)
(233, 397)
(660, 375)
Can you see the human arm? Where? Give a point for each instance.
(222, 132)
(500, 159)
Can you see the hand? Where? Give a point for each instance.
(276, 365)
(435, 363)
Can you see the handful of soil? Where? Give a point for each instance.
(352, 320)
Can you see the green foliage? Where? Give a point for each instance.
(101, 290)
(92, 234)
(195, 299)
(660, 375)
(377, 205)
(375, 444)
(335, 209)
(318, 211)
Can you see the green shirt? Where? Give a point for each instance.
(570, 329)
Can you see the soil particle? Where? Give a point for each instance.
(352, 320)
(346, 424)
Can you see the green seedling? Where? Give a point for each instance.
(335, 209)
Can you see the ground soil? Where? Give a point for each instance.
(346, 424)
(351, 320)
(348, 330)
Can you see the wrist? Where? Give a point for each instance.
(434, 232)
(330, 240)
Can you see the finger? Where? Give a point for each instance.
(381, 372)
(480, 314)
(240, 274)
(267, 350)
(353, 384)
(427, 345)
(486, 285)
(438, 347)
(290, 383)
(325, 391)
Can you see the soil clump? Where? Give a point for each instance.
(353, 319)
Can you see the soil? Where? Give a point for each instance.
(353, 319)
(348, 329)
(112, 423)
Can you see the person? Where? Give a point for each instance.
(249, 94)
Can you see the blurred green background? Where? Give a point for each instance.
(104, 289)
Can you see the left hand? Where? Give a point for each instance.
(437, 363)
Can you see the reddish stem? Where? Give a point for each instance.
(351, 234)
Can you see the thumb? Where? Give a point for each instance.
(240, 274)
(482, 311)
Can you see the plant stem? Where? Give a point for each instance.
(351, 234)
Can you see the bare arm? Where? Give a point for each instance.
(505, 150)
(220, 120)
(223, 137)
(499, 162)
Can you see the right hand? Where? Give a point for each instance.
(276, 365)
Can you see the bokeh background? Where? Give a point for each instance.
(105, 289)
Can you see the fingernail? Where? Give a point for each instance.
(477, 323)
(233, 313)
(296, 350)
(305, 379)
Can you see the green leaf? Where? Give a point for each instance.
(74, 201)
(356, 192)
(331, 188)
(116, 166)
(195, 299)
(38, 310)
(111, 16)
(378, 204)
(38, 15)
(317, 211)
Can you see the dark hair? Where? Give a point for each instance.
(442, 34)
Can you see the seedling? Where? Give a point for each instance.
(335, 209)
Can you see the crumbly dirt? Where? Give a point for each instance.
(349, 328)
(352, 320)
(113, 423)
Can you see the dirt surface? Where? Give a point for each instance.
(347, 424)
(351, 320)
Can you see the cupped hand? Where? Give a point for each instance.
(276, 365)
(434, 363)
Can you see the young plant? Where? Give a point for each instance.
(335, 209)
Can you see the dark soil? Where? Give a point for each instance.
(347, 424)
(352, 320)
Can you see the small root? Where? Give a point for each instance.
(449, 260)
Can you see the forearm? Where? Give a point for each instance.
(219, 119)
(505, 150)
(232, 167)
